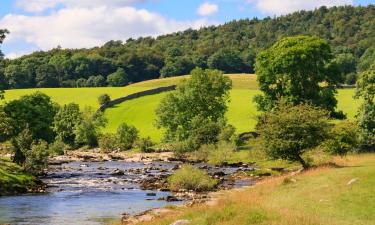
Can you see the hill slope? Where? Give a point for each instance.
(230, 47)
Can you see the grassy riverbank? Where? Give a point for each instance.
(325, 195)
(13, 180)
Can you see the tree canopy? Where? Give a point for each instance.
(289, 131)
(200, 100)
(298, 70)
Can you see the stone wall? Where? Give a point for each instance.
(136, 95)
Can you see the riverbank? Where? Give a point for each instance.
(14, 181)
(341, 194)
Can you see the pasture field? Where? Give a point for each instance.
(140, 112)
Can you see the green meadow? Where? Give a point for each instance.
(141, 112)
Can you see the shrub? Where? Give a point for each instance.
(21, 144)
(343, 138)
(37, 158)
(88, 130)
(144, 144)
(104, 99)
(57, 148)
(289, 131)
(65, 121)
(108, 143)
(181, 148)
(191, 178)
(221, 153)
(126, 136)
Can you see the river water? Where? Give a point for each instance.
(84, 193)
(90, 193)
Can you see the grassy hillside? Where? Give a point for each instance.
(326, 195)
(141, 112)
(81, 96)
(13, 179)
(241, 111)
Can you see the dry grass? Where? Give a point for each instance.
(318, 196)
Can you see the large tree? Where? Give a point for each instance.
(299, 70)
(201, 98)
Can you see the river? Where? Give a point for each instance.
(90, 193)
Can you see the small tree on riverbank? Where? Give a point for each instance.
(289, 131)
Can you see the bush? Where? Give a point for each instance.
(104, 99)
(108, 143)
(37, 158)
(181, 148)
(191, 178)
(126, 136)
(57, 148)
(221, 153)
(290, 131)
(144, 144)
(21, 144)
(343, 139)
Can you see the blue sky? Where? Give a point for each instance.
(44, 24)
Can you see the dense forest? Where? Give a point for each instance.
(231, 47)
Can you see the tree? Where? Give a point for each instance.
(367, 59)
(295, 69)
(21, 144)
(46, 76)
(347, 67)
(366, 114)
(6, 126)
(2, 37)
(36, 158)
(35, 111)
(226, 60)
(65, 122)
(88, 130)
(118, 78)
(203, 96)
(289, 131)
(343, 138)
(104, 99)
(126, 136)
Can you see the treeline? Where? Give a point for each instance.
(231, 48)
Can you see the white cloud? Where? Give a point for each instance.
(42, 5)
(207, 9)
(278, 7)
(79, 27)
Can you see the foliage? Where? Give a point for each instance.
(88, 130)
(232, 46)
(65, 122)
(118, 78)
(126, 136)
(2, 37)
(289, 131)
(36, 111)
(37, 158)
(57, 148)
(367, 59)
(366, 114)
(216, 154)
(343, 138)
(108, 143)
(104, 99)
(294, 69)
(6, 126)
(21, 145)
(191, 178)
(145, 144)
(227, 60)
(200, 100)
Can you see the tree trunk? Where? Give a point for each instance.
(304, 164)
